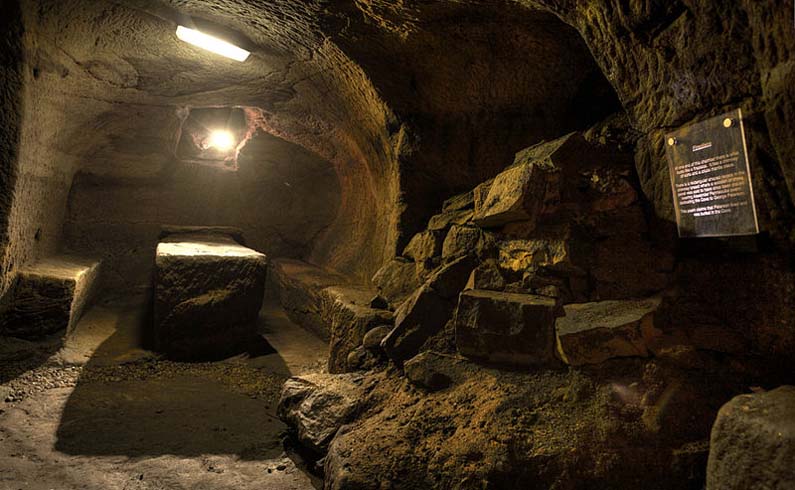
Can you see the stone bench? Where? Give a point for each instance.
(48, 296)
(207, 295)
(327, 304)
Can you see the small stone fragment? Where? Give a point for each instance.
(425, 370)
(372, 339)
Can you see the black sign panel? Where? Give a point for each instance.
(710, 178)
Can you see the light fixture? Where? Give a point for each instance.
(212, 44)
(221, 140)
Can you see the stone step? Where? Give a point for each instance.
(208, 293)
(329, 305)
(48, 296)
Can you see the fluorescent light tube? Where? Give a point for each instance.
(212, 44)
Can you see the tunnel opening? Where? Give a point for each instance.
(397, 245)
(212, 136)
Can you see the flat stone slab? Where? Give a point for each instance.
(208, 293)
(49, 296)
(506, 328)
(591, 333)
(753, 442)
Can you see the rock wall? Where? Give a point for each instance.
(11, 85)
(282, 198)
(43, 162)
(676, 62)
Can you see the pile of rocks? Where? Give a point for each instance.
(559, 233)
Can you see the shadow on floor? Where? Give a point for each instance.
(129, 403)
(18, 356)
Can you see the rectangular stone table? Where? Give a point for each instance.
(207, 296)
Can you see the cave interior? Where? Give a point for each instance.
(397, 244)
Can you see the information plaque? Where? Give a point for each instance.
(711, 182)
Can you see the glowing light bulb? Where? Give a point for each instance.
(211, 43)
(221, 140)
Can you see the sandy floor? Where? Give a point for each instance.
(99, 412)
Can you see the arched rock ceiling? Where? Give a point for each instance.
(392, 93)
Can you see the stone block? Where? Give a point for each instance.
(208, 293)
(591, 333)
(486, 276)
(551, 251)
(396, 280)
(506, 328)
(317, 405)
(426, 311)
(345, 309)
(752, 444)
(531, 186)
(424, 245)
(49, 296)
(460, 240)
(461, 201)
(445, 220)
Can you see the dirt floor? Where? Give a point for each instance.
(99, 412)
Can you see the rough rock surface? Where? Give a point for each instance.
(207, 295)
(396, 280)
(506, 328)
(48, 296)
(753, 442)
(546, 429)
(460, 240)
(425, 245)
(427, 310)
(486, 276)
(317, 405)
(531, 186)
(427, 370)
(461, 201)
(299, 286)
(372, 339)
(329, 305)
(349, 316)
(591, 333)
